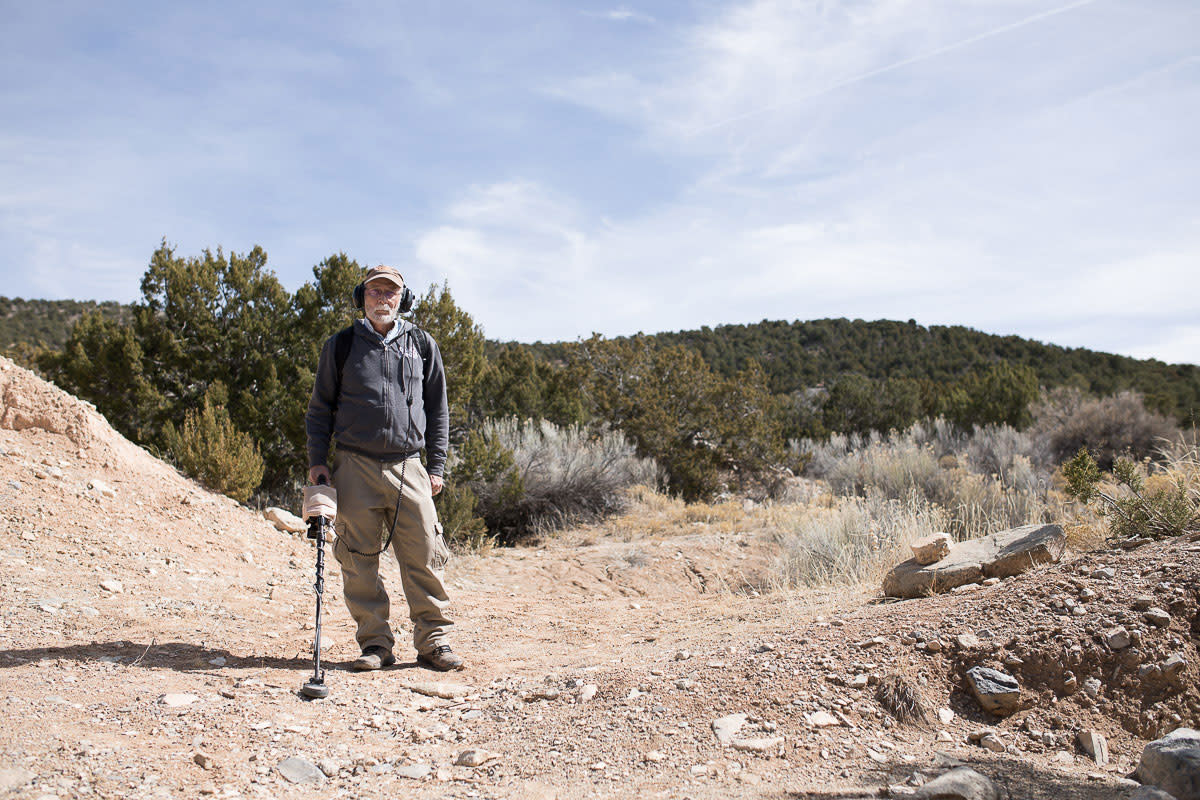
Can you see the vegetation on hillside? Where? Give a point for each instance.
(215, 363)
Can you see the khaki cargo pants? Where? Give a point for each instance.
(367, 491)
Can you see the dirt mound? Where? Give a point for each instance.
(29, 403)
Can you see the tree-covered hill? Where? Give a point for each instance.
(799, 355)
(47, 323)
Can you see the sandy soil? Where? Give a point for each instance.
(154, 637)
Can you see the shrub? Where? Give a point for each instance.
(211, 450)
(532, 475)
(1135, 507)
(1108, 427)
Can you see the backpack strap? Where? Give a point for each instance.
(344, 338)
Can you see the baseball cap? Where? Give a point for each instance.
(386, 273)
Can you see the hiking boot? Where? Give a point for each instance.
(441, 659)
(373, 657)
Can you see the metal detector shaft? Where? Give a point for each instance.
(316, 687)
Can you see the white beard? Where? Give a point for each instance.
(382, 315)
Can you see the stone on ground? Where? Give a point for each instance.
(298, 770)
(284, 520)
(1172, 764)
(961, 783)
(998, 693)
(932, 548)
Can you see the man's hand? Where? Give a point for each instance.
(436, 483)
(320, 471)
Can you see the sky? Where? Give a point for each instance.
(1016, 166)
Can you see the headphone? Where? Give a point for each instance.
(407, 298)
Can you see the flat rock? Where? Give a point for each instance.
(766, 744)
(1095, 745)
(1149, 793)
(1172, 764)
(822, 719)
(727, 727)
(444, 690)
(961, 783)
(299, 770)
(999, 555)
(177, 699)
(416, 772)
(284, 520)
(997, 692)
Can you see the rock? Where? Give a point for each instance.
(177, 700)
(1118, 638)
(113, 586)
(1149, 793)
(1095, 745)
(763, 745)
(204, 760)
(727, 727)
(587, 692)
(967, 641)
(1092, 686)
(1157, 617)
(416, 772)
(1174, 665)
(284, 520)
(997, 692)
(544, 693)
(474, 758)
(446, 691)
(654, 756)
(932, 548)
(12, 778)
(945, 716)
(1172, 764)
(298, 770)
(101, 487)
(822, 719)
(961, 783)
(1105, 573)
(999, 555)
(992, 741)
(1143, 603)
(682, 655)
(329, 766)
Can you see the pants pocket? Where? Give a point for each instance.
(441, 552)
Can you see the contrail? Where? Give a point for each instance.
(862, 76)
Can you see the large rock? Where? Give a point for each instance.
(1000, 555)
(996, 692)
(284, 520)
(961, 783)
(1172, 764)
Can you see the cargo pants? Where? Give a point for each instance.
(367, 490)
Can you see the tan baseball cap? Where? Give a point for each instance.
(386, 273)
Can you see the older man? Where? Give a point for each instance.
(380, 393)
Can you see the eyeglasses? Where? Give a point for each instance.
(387, 294)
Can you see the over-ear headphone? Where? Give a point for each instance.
(407, 298)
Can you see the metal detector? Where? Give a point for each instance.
(315, 687)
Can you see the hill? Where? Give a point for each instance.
(154, 637)
(801, 354)
(46, 323)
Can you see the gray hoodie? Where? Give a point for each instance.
(392, 402)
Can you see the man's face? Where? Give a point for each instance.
(382, 301)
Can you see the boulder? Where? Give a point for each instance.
(999, 555)
(1172, 764)
(932, 549)
(997, 692)
(284, 520)
(961, 783)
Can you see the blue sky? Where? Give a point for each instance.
(1019, 167)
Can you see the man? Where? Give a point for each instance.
(382, 404)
